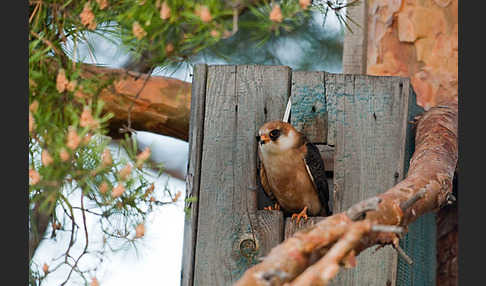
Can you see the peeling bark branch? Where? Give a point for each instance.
(160, 104)
(327, 268)
(358, 211)
(405, 205)
(338, 238)
(163, 105)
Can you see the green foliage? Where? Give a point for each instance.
(190, 29)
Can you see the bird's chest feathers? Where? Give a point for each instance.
(288, 178)
(279, 166)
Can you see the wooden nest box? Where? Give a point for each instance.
(361, 125)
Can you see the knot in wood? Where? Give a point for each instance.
(248, 248)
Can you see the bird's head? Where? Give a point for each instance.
(277, 136)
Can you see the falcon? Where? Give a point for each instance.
(292, 171)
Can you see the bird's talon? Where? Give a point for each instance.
(302, 214)
(275, 207)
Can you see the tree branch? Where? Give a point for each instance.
(39, 221)
(338, 238)
(163, 105)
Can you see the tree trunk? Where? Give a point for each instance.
(427, 187)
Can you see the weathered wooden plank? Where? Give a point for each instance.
(216, 223)
(334, 84)
(293, 227)
(308, 112)
(371, 115)
(196, 132)
(236, 99)
(268, 89)
(355, 44)
(262, 94)
(330, 183)
(268, 230)
(327, 154)
(257, 241)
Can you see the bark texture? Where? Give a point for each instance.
(447, 247)
(39, 221)
(338, 238)
(416, 39)
(160, 104)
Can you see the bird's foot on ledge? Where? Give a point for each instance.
(302, 214)
(275, 207)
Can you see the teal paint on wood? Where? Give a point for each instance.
(309, 109)
(369, 129)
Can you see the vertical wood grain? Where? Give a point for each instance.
(196, 132)
(370, 130)
(337, 85)
(232, 234)
(292, 227)
(327, 154)
(355, 44)
(216, 221)
(263, 92)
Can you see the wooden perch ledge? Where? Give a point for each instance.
(337, 239)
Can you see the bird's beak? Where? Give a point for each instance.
(263, 139)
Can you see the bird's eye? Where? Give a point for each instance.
(274, 134)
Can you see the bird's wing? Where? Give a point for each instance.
(263, 178)
(315, 168)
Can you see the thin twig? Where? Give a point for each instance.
(235, 21)
(402, 253)
(358, 210)
(47, 42)
(35, 11)
(88, 211)
(387, 228)
(85, 250)
(408, 203)
(327, 267)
